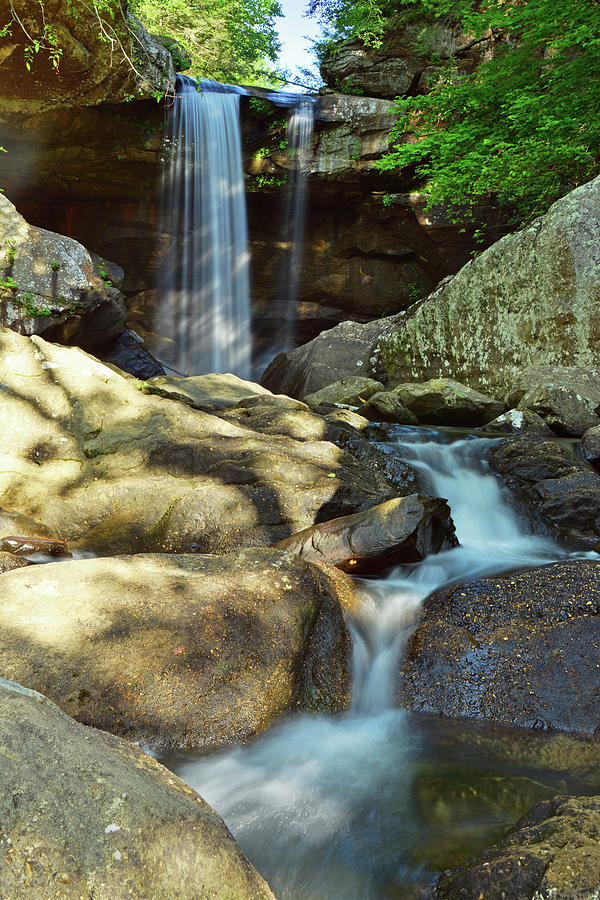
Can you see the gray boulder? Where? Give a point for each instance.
(565, 411)
(517, 421)
(590, 446)
(88, 814)
(351, 391)
(179, 651)
(530, 299)
(583, 380)
(386, 406)
(442, 401)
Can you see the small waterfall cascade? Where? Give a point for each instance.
(299, 135)
(204, 308)
(323, 806)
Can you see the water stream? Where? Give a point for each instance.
(204, 309)
(348, 808)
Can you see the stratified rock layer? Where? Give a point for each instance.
(521, 649)
(87, 814)
(179, 651)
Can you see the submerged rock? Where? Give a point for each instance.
(520, 649)
(51, 285)
(442, 401)
(84, 813)
(552, 852)
(529, 299)
(557, 489)
(112, 469)
(178, 651)
(404, 530)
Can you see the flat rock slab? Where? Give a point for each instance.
(108, 468)
(212, 391)
(557, 489)
(87, 814)
(521, 649)
(552, 852)
(403, 530)
(178, 652)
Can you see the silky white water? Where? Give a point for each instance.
(323, 806)
(204, 295)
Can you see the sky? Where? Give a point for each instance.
(292, 30)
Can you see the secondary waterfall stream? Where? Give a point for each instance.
(204, 310)
(324, 807)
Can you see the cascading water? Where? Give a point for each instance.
(323, 807)
(204, 310)
(299, 135)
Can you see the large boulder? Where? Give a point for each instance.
(581, 380)
(352, 391)
(442, 401)
(520, 649)
(518, 421)
(51, 285)
(564, 410)
(210, 392)
(88, 814)
(529, 299)
(179, 651)
(552, 852)
(403, 530)
(555, 488)
(109, 468)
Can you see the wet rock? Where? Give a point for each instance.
(128, 352)
(403, 478)
(517, 421)
(565, 411)
(178, 651)
(25, 546)
(403, 530)
(590, 446)
(50, 285)
(553, 851)
(530, 298)
(84, 812)
(352, 391)
(386, 406)
(519, 649)
(558, 490)
(112, 469)
(442, 401)
(341, 417)
(10, 561)
(209, 392)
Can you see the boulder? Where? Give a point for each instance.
(442, 401)
(517, 421)
(25, 546)
(129, 353)
(404, 530)
(352, 391)
(582, 380)
(10, 561)
(342, 352)
(556, 489)
(590, 446)
(111, 469)
(178, 652)
(85, 813)
(553, 851)
(529, 299)
(520, 649)
(565, 411)
(50, 285)
(386, 406)
(210, 392)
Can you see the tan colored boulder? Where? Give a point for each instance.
(212, 391)
(111, 469)
(178, 651)
(403, 530)
(87, 814)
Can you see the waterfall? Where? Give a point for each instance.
(299, 135)
(204, 297)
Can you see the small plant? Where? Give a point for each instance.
(10, 254)
(103, 273)
(55, 265)
(387, 199)
(354, 151)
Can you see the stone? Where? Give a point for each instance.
(557, 489)
(563, 409)
(210, 392)
(10, 561)
(442, 401)
(590, 446)
(129, 353)
(111, 469)
(386, 406)
(553, 851)
(404, 530)
(86, 813)
(519, 649)
(581, 380)
(342, 352)
(178, 652)
(517, 421)
(16, 523)
(25, 546)
(352, 391)
(530, 299)
(50, 285)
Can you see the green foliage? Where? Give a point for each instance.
(363, 19)
(227, 40)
